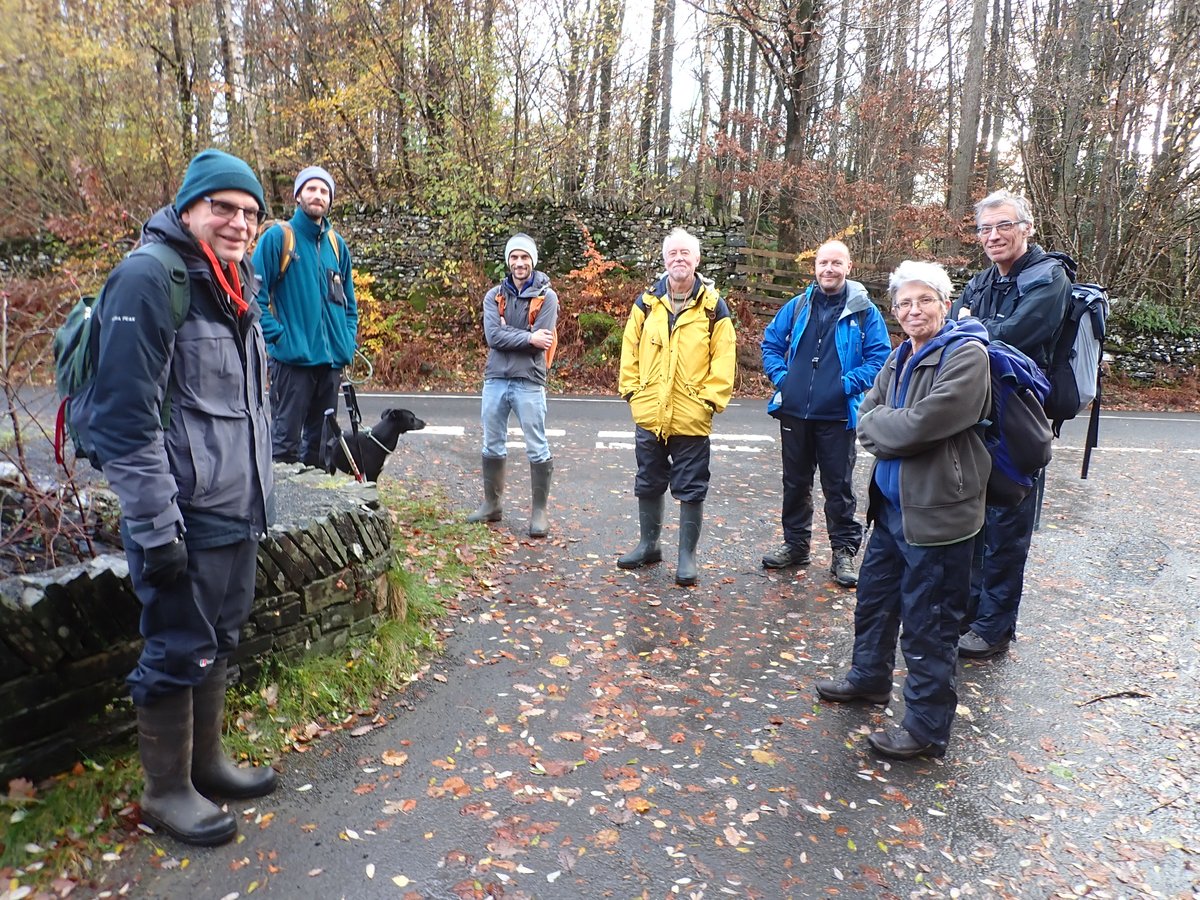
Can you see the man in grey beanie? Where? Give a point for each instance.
(519, 319)
(180, 423)
(309, 317)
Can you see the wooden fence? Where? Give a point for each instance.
(767, 279)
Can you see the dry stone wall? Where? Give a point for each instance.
(395, 243)
(69, 636)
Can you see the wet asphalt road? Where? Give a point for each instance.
(596, 733)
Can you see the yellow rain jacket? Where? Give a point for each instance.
(677, 371)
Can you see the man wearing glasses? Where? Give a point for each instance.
(309, 317)
(180, 422)
(1021, 299)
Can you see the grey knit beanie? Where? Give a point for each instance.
(521, 241)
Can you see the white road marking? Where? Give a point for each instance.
(550, 432)
(446, 430)
(716, 437)
(613, 445)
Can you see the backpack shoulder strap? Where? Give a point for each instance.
(181, 296)
(535, 307)
(333, 242)
(181, 301)
(288, 249)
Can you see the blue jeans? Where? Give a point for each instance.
(921, 592)
(502, 396)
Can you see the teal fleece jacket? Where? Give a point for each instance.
(309, 316)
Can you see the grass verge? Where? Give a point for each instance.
(52, 836)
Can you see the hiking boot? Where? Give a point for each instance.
(972, 646)
(493, 489)
(787, 555)
(843, 569)
(840, 690)
(650, 519)
(899, 743)
(691, 515)
(539, 479)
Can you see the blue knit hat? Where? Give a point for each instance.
(214, 170)
(307, 175)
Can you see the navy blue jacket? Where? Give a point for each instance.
(210, 473)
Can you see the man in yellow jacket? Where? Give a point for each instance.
(678, 362)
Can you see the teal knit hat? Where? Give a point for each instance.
(214, 170)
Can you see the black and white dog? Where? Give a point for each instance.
(369, 446)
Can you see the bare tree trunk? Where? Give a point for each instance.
(664, 119)
(839, 85)
(720, 203)
(968, 119)
(650, 91)
(183, 84)
(803, 43)
(612, 12)
(1000, 49)
(229, 74)
(749, 102)
(706, 63)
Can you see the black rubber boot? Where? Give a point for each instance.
(539, 480)
(170, 803)
(493, 490)
(213, 773)
(650, 519)
(691, 515)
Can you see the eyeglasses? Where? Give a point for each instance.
(999, 227)
(223, 209)
(923, 302)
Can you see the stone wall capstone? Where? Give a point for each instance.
(69, 636)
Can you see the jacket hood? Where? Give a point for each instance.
(165, 227)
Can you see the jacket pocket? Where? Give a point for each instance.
(337, 290)
(210, 374)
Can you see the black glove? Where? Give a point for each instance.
(165, 564)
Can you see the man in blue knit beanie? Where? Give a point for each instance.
(310, 317)
(180, 424)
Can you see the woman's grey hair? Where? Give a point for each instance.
(1001, 198)
(684, 235)
(929, 274)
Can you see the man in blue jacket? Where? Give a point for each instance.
(309, 317)
(180, 423)
(822, 351)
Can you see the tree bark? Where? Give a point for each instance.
(968, 117)
(665, 68)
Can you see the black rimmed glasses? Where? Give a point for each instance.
(223, 209)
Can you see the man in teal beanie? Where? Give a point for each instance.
(310, 317)
(180, 423)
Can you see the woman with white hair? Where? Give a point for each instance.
(927, 492)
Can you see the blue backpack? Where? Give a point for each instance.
(1016, 432)
(77, 345)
